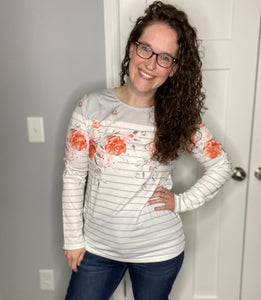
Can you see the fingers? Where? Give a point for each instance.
(74, 257)
(72, 262)
(164, 196)
(80, 258)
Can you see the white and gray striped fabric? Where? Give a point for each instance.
(111, 143)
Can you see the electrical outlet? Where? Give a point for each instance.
(46, 280)
(35, 129)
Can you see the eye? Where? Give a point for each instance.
(145, 48)
(164, 57)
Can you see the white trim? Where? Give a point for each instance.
(112, 42)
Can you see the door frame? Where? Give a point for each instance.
(112, 42)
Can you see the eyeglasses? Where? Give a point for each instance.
(163, 59)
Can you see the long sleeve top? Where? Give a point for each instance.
(109, 146)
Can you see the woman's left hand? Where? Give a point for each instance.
(162, 195)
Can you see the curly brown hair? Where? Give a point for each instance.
(179, 101)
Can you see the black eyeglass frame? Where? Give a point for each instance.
(174, 60)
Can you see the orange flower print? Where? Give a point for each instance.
(77, 140)
(96, 124)
(128, 138)
(212, 149)
(151, 148)
(92, 148)
(114, 145)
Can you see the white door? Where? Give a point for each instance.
(214, 233)
(251, 280)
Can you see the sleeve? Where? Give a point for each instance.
(74, 177)
(217, 170)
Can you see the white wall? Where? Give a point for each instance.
(51, 53)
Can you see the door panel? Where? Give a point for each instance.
(214, 233)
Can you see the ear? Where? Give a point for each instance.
(173, 70)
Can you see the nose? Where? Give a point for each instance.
(151, 63)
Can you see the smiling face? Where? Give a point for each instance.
(145, 75)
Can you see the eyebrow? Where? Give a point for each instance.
(145, 43)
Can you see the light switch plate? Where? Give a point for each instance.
(35, 129)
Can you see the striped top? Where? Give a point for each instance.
(110, 144)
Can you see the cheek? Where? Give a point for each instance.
(135, 62)
(164, 73)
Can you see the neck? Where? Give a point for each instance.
(134, 98)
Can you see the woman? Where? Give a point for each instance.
(126, 140)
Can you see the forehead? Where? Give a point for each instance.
(161, 37)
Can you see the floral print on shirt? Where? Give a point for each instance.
(114, 145)
(103, 150)
(77, 140)
(211, 148)
(92, 148)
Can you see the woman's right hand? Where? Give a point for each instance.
(74, 257)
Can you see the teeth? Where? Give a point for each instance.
(146, 75)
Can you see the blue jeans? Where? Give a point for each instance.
(97, 278)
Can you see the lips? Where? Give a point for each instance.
(146, 75)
